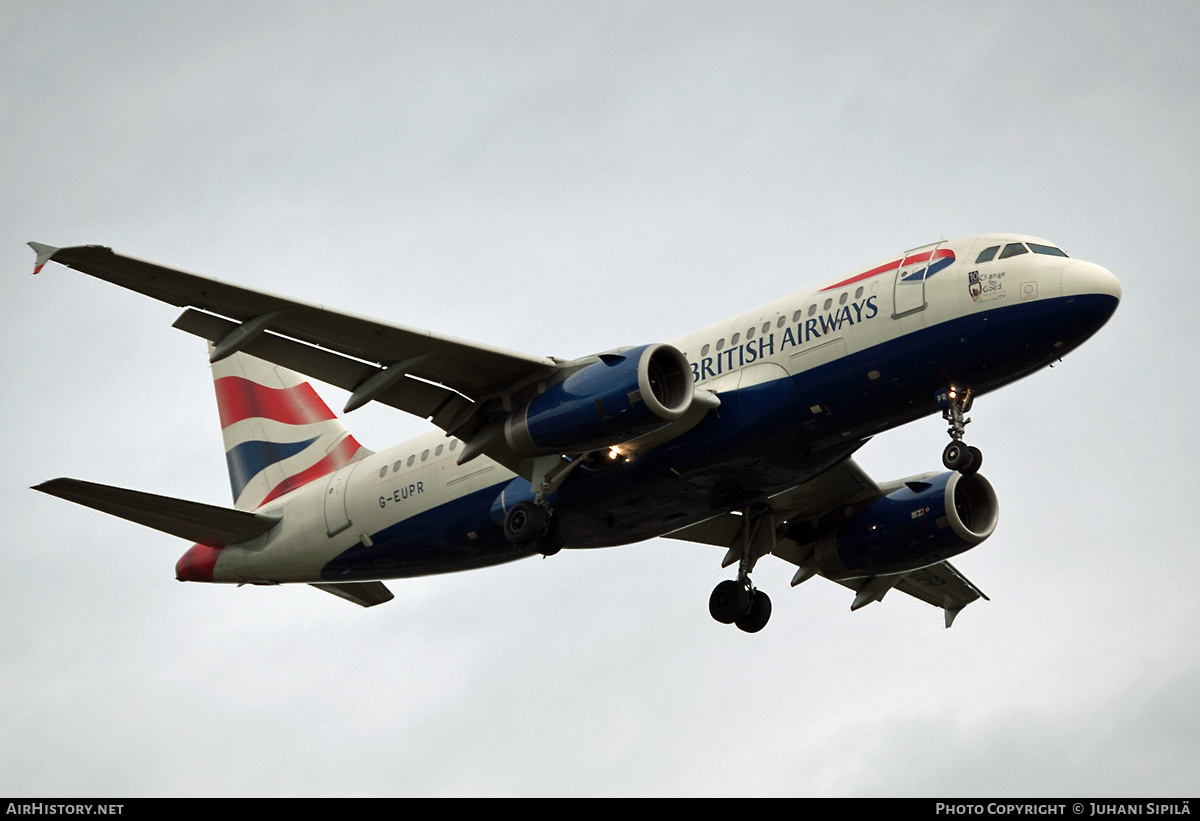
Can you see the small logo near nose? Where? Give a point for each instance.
(974, 286)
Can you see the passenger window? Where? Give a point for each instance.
(438, 452)
(842, 299)
(412, 459)
(987, 254)
(782, 320)
(812, 309)
(828, 304)
(734, 339)
(704, 351)
(749, 333)
(1048, 250)
(858, 293)
(1013, 249)
(425, 455)
(796, 316)
(396, 467)
(383, 471)
(453, 444)
(720, 344)
(766, 327)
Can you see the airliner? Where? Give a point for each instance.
(740, 435)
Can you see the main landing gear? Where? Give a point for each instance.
(535, 522)
(958, 455)
(528, 523)
(736, 601)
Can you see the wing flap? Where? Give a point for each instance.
(409, 395)
(942, 586)
(204, 524)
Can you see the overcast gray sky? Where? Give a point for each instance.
(561, 178)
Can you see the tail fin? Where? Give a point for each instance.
(278, 433)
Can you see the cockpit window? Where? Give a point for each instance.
(987, 254)
(1013, 249)
(1048, 250)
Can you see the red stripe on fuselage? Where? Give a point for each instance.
(339, 457)
(239, 398)
(892, 266)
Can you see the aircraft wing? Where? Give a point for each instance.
(939, 584)
(807, 509)
(942, 586)
(194, 521)
(843, 484)
(448, 380)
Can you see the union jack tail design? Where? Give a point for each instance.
(278, 433)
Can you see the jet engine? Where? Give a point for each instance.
(922, 523)
(618, 397)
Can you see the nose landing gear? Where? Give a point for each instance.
(958, 455)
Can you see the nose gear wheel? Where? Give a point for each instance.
(958, 455)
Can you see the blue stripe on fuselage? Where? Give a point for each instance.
(438, 540)
(938, 265)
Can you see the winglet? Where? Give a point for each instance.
(44, 253)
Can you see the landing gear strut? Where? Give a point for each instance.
(958, 455)
(736, 601)
(535, 522)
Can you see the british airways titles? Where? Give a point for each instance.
(795, 335)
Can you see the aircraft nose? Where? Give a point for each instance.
(1085, 278)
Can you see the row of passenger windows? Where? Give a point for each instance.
(1015, 248)
(779, 323)
(413, 458)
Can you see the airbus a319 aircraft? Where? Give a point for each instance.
(739, 435)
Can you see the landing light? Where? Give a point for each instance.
(614, 452)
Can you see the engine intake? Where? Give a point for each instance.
(924, 522)
(607, 402)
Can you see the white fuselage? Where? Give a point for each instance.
(840, 321)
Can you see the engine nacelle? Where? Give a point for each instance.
(610, 401)
(922, 523)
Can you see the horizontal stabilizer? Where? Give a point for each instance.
(204, 524)
(44, 252)
(367, 594)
